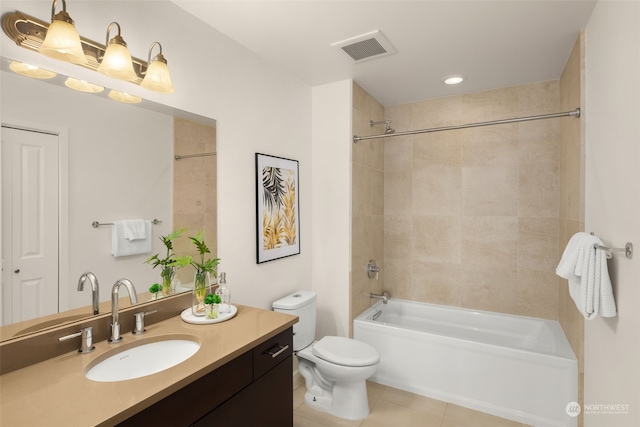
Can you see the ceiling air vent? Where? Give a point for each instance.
(366, 46)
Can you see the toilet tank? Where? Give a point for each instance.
(303, 305)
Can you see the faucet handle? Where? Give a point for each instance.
(86, 343)
(373, 270)
(138, 329)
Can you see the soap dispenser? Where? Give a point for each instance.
(224, 294)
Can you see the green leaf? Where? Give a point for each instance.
(212, 299)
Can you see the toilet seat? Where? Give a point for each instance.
(345, 351)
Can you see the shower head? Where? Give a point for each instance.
(388, 130)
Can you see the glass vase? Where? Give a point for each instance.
(201, 287)
(168, 274)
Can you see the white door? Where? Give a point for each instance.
(29, 224)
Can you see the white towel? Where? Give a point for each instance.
(134, 229)
(121, 246)
(585, 267)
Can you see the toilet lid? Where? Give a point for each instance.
(346, 352)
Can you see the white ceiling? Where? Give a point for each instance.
(493, 43)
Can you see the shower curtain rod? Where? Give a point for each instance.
(575, 113)
(188, 156)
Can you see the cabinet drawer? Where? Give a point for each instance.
(272, 352)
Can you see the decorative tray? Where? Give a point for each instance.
(188, 317)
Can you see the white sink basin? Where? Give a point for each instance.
(142, 358)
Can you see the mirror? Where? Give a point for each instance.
(116, 161)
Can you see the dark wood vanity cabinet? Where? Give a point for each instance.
(254, 389)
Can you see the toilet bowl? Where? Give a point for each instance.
(335, 369)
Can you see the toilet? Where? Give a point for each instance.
(335, 369)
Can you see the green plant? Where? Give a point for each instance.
(168, 263)
(212, 299)
(168, 260)
(203, 267)
(155, 288)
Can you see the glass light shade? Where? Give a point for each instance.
(63, 43)
(117, 63)
(82, 86)
(31, 71)
(158, 78)
(116, 95)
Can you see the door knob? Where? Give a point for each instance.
(17, 271)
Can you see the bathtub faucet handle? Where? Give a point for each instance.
(373, 270)
(385, 297)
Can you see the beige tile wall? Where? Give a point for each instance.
(194, 189)
(471, 216)
(367, 206)
(572, 163)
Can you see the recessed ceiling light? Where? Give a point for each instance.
(31, 71)
(453, 79)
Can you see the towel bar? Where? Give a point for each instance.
(96, 224)
(628, 250)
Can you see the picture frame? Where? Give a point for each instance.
(277, 208)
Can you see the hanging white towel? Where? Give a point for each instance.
(585, 267)
(121, 246)
(134, 229)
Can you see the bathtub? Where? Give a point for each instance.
(515, 367)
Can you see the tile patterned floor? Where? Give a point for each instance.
(397, 408)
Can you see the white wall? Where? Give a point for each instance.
(612, 346)
(257, 107)
(331, 187)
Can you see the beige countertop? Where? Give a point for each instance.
(56, 393)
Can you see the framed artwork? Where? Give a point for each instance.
(277, 206)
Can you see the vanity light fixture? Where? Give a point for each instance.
(116, 61)
(112, 59)
(453, 79)
(62, 40)
(126, 98)
(157, 77)
(82, 85)
(31, 71)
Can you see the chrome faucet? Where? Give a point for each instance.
(115, 324)
(95, 293)
(385, 297)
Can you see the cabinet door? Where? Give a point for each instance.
(268, 402)
(188, 404)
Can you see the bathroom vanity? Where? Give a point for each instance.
(240, 376)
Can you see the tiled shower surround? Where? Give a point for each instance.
(194, 189)
(479, 217)
(469, 217)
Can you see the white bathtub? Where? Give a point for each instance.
(515, 367)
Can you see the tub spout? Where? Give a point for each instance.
(384, 296)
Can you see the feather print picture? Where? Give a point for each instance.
(278, 223)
